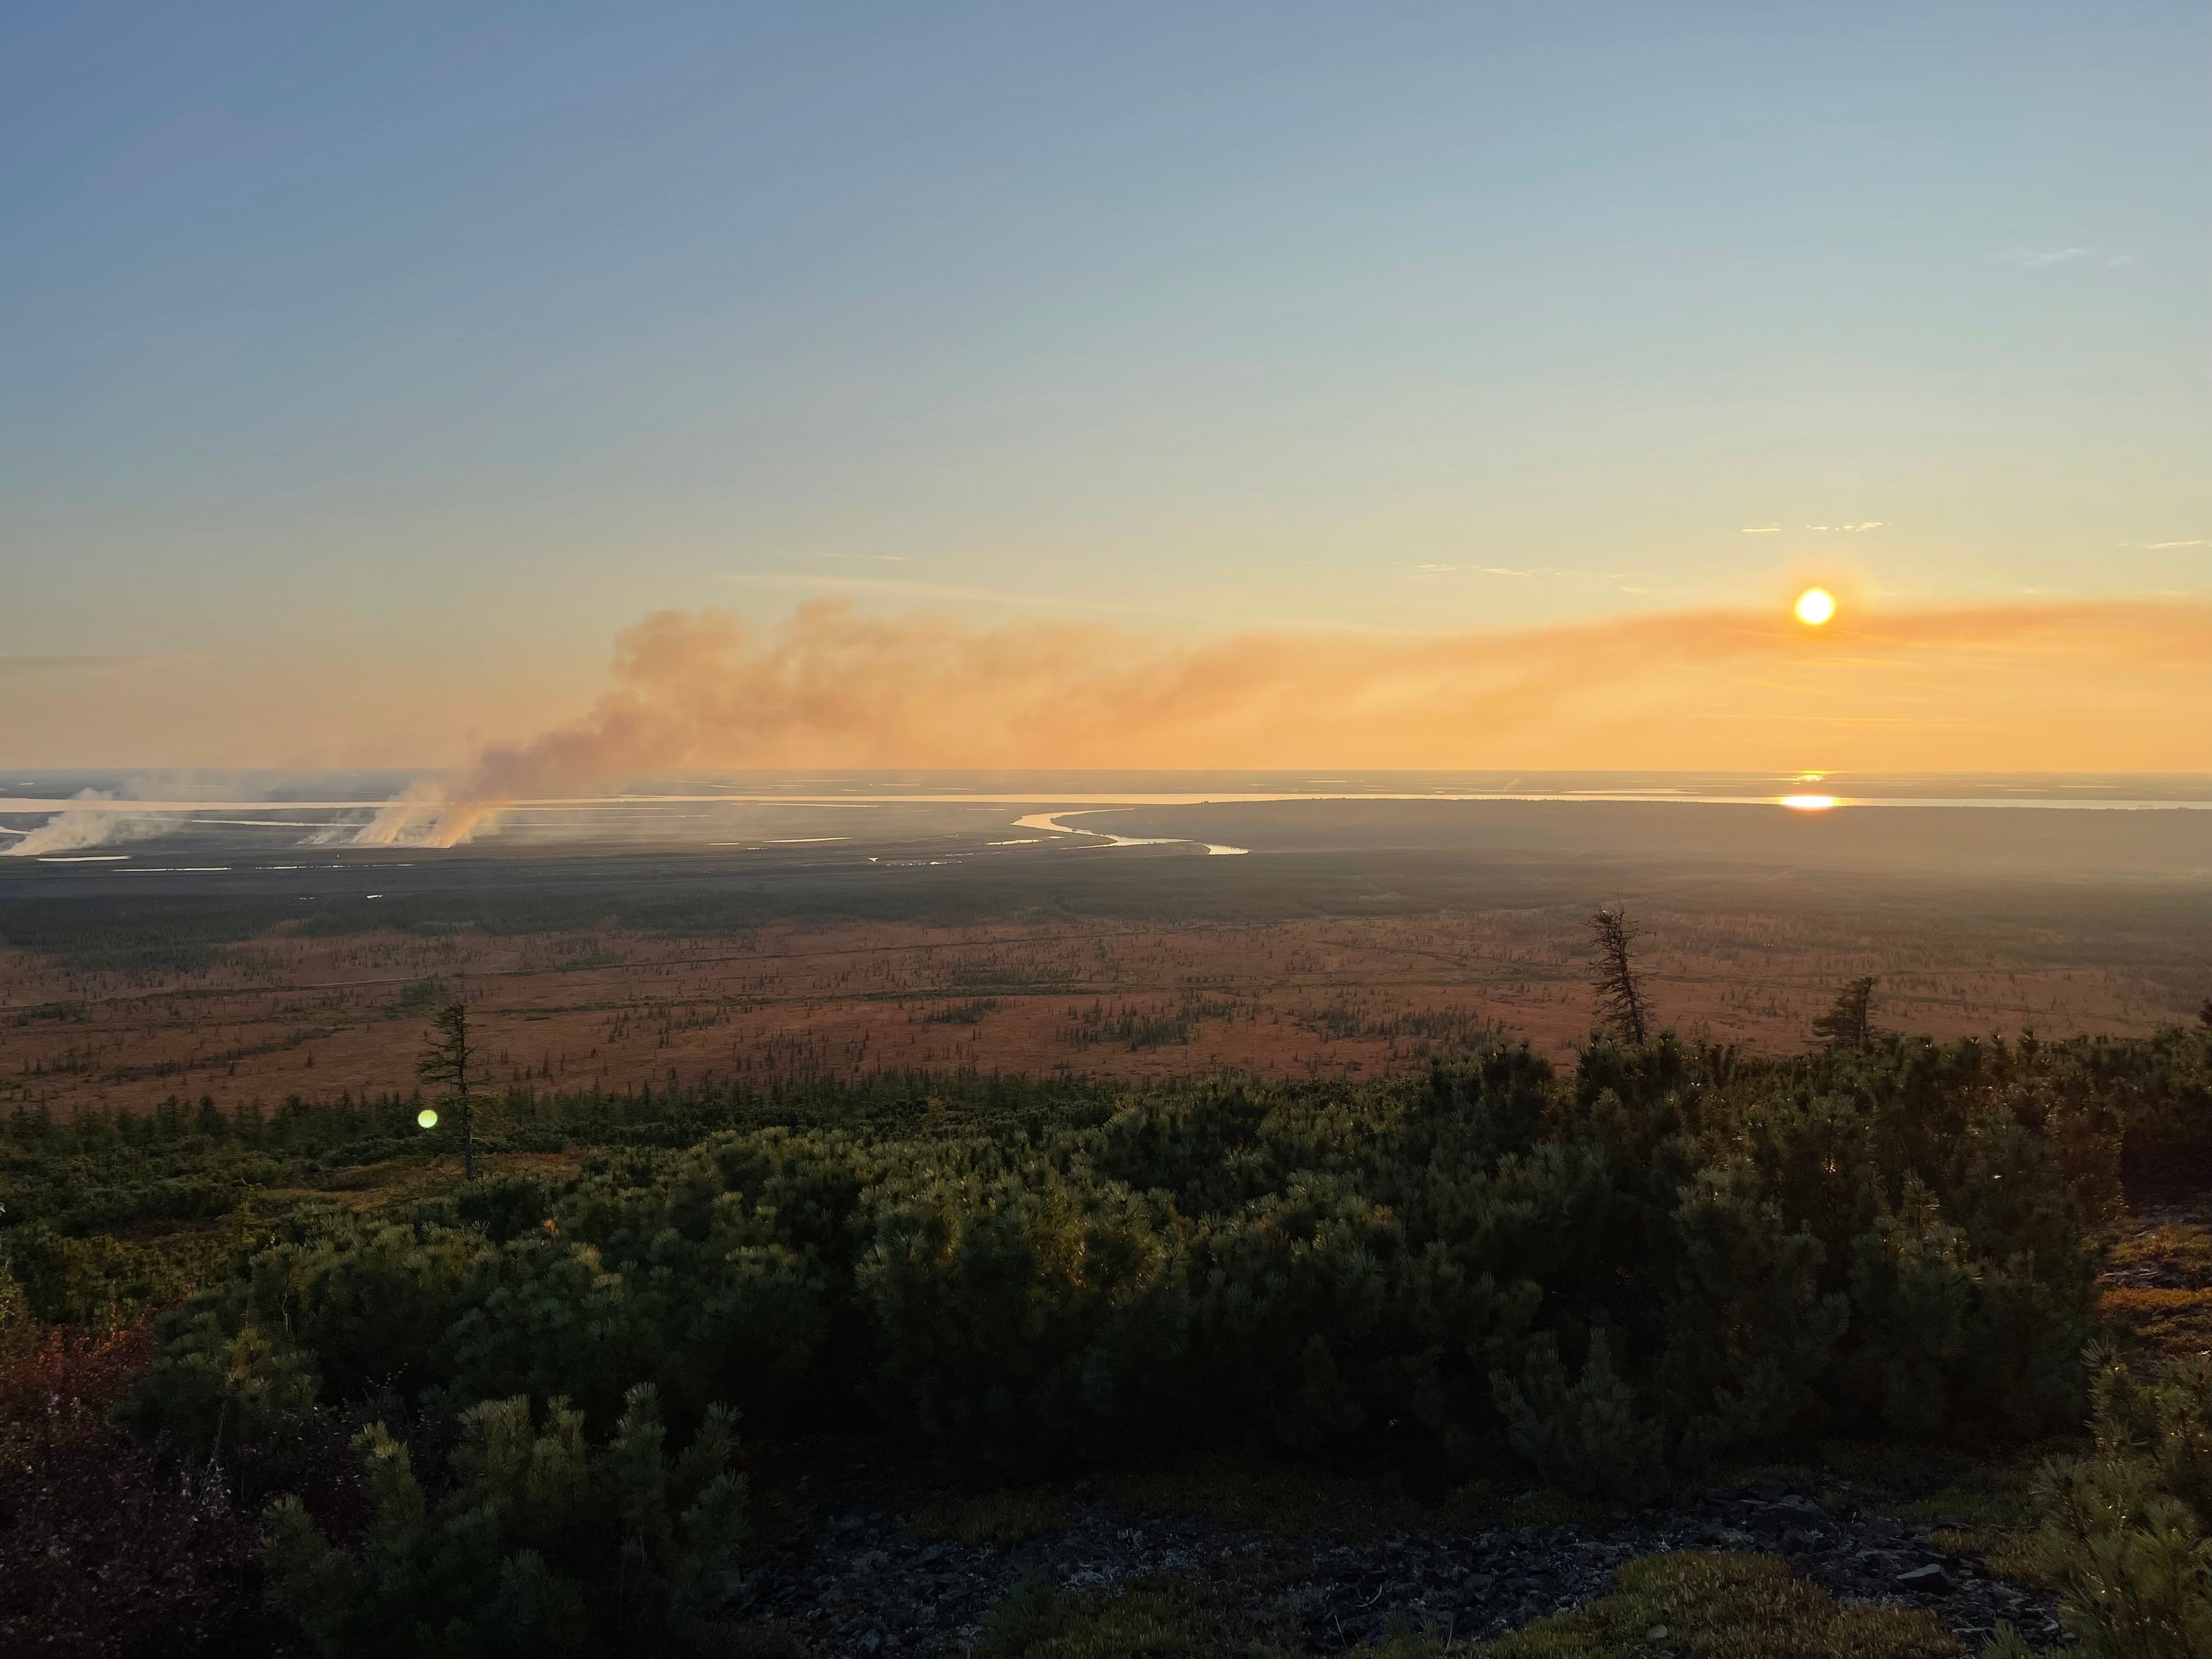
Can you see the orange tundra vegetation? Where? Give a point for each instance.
(1362, 997)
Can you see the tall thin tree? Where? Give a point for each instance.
(1620, 997)
(449, 1061)
(1850, 1023)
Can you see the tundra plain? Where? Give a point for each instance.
(1352, 939)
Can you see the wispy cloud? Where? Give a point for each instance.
(32, 664)
(865, 558)
(1847, 529)
(1471, 570)
(2042, 258)
(2164, 545)
(892, 587)
(2032, 258)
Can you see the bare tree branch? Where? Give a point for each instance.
(1621, 998)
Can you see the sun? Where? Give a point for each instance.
(1815, 606)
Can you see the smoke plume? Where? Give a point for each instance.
(1995, 688)
(70, 832)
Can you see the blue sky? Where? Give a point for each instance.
(431, 343)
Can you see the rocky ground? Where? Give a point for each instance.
(859, 1581)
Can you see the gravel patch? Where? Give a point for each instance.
(857, 1581)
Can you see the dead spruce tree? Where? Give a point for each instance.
(1848, 1024)
(449, 1062)
(1620, 998)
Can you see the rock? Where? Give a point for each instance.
(856, 1572)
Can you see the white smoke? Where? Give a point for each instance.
(69, 832)
(405, 820)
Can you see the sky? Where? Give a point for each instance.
(370, 369)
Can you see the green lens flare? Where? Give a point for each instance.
(427, 1118)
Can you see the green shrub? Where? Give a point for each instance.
(1589, 1437)
(222, 1380)
(99, 1282)
(1750, 1330)
(1324, 1316)
(542, 1548)
(1027, 1315)
(2123, 1534)
(1605, 1278)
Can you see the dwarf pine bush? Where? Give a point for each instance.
(541, 1546)
(1601, 1279)
(2126, 1534)
(1028, 1314)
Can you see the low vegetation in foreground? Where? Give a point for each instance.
(549, 1411)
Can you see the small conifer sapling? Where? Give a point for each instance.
(1848, 1024)
(1620, 997)
(449, 1062)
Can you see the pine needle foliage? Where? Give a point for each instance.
(2126, 1534)
(1602, 1278)
(541, 1546)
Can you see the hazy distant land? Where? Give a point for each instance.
(209, 952)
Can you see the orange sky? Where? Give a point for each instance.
(2039, 686)
(2012, 688)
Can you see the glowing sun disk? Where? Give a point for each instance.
(1808, 803)
(1815, 606)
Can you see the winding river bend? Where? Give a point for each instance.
(1052, 821)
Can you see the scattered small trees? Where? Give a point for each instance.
(449, 1061)
(1846, 1025)
(1620, 996)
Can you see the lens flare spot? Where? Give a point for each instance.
(1815, 606)
(427, 1119)
(1808, 803)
